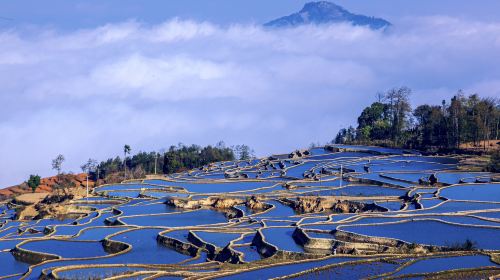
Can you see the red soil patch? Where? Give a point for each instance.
(46, 186)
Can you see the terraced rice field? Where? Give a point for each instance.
(346, 212)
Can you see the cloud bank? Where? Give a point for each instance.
(86, 93)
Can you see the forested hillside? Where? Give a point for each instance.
(175, 159)
(391, 121)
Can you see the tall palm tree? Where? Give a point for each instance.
(126, 150)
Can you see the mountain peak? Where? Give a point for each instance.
(324, 12)
(321, 6)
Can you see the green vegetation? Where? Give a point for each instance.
(33, 182)
(494, 164)
(467, 245)
(391, 122)
(183, 158)
(89, 166)
(175, 159)
(126, 151)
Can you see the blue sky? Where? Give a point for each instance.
(83, 78)
(73, 14)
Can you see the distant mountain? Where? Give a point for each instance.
(324, 12)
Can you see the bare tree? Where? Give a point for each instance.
(88, 167)
(243, 152)
(57, 163)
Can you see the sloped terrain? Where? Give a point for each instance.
(347, 212)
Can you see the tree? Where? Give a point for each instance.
(126, 150)
(431, 127)
(373, 122)
(340, 137)
(457, 116)
(175, 159)
(494, 164)
(399, 109)
(315, 145)
(485, 117)
(33, 182)
(351, 134)
(57, 163)
(89, 166)
(162, 151)
(243, 152)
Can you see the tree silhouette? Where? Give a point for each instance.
(57, 163)
(33, 182)
(126, 151)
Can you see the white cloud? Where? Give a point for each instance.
(85, 93)
(160, 78)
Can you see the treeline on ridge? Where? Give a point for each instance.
(176, 159)
(391, 121)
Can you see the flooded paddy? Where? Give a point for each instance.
(283, 270)
(446, 263)
(193, 218)
(281, 237)
(10, 266)
(273, 217)
(442, 234)
(349, 271)
(79, 249)
(250, 253)
(359, 191)
(218, 239)
(480, 192)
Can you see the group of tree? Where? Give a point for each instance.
(494, 164)
(391, 121)
(176, 159)
(63, 181)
